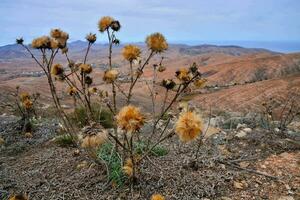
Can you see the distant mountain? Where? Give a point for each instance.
(230, 50)
(14, 51)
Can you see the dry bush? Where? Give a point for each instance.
(24, 105)
(279, 112)
(129, 119)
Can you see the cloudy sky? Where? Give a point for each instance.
(179, 20)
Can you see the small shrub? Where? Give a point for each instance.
(260, 74)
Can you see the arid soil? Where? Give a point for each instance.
(260, 165)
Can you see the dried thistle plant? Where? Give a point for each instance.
(129, 119)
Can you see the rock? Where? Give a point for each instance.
(2, 141)
(286, 198)
(212, 131)
(247, 130)
(294, 126)
(217, 121)
(244, 164)
(233, 122)
(225, 198)
(82, 165)
(238, 185)
(241, 126)
(76, 152)
(241, 134)
(277, 130)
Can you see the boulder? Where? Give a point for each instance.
(241, 134)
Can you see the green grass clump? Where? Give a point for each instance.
(158, 151)
(103, 116)
(109, 155)
(64, 140)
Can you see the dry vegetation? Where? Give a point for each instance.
(107, 146)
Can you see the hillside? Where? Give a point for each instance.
(241, 74)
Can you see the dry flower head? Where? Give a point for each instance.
(91, 38)
(200, 83)
(42, 42)
(86, 68)
(19, 197)
(188, 126)
(131, 52)
(157, 42)
(104, 23)
(130, 119)
(57, 69)
(157, 197)
(110, 75)
(24, 96)
(72, 91)
(94, 141)
(27, 104)
(183, 75)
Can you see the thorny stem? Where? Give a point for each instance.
(179, 91)
(153, 90)
(87, 52)
(141, 68)
(110, 40)
(202, 137)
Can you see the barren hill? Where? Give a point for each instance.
(240, 75)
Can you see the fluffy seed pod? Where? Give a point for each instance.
(157, 42)
(24, 96)
(169, 84)
(110, 75)
(131, 52)
(19, 197)
(64, 50)
(27, 104)
(130, 119)
(56, 33)
(72, 91)
(41, 43)
(28, 135)
(103, 94)
(157, 197)
(128, 168)
(54, 44)
(2, 141)
(85, 68)
(93, 90)
(161, 68)
(128, 171)
(188, 126)
(60, 36)
(200, 83)
(19, 40)
(183, 75)
(57, 69)
(115, 25)
(193, 69)
(91, 38)
(88, 80)
(94, 141)
(104, 23)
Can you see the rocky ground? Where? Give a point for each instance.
(244, 163)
